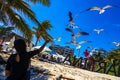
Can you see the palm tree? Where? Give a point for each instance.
(5, 30)
(44, 2)
(114, 54)
(41, 32)
(11, 10)
(99, 55)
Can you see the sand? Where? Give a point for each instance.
(70, 72)
(52, 71)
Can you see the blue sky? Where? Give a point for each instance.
(57, 13)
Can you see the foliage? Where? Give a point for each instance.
(12, 11)
(5, 30)
(114, 54)
(44, 2)
(41, 32)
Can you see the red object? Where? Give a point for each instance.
(86, 53)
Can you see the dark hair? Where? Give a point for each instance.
(20, 45)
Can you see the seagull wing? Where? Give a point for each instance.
(107, 6)
(116, 43)
(95, 30)
(69, 43)
(58, 39)
(101, 29)
(74, 27)
(82, 33)
(94, 8)
(70, 16)
(81, 42)
(69, 30)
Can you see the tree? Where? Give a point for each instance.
(41, 32)
(5, 30)
(11, 10)
(99, 55)
(114, 54)
(44, 2)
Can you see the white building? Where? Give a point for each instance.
(63, 50)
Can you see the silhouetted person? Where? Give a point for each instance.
(18, 64)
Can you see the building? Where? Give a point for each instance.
(9, 40)
(63, 50)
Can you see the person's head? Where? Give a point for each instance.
(20, 45)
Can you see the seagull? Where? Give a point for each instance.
(82, 42)
(74, 27)
(77, 35)
(101, 10)
(78, 44)
(116, 43)
(57, 39)
(98, 30)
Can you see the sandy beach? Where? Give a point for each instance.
(41, 70)
(71, 73)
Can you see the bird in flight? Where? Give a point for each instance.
(83, 41)
(98, 30)
(101, 10)
(116, 43)
(58, 39)
(78, 44)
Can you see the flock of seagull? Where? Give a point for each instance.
(72, 26)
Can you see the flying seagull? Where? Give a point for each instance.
(57, 39)
(98, 30)
(101, 10)
(116, 43)
(78, 44)
(77, 35)
(83, 41)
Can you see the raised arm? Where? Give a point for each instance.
(32, 53)
(43, 46)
